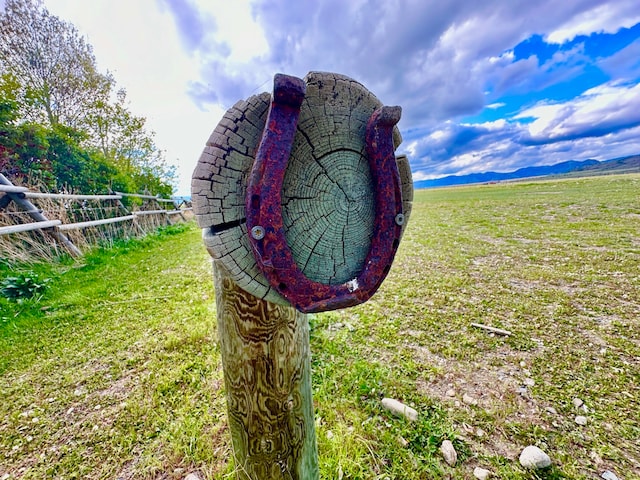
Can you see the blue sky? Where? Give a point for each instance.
(491, 85)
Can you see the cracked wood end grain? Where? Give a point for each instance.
(327, 195)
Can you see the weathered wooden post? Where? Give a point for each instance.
(302, 203)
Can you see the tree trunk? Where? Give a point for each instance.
(267, 372)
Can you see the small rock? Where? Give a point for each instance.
(609, 475)
(529, 382)
(400, 409)
(551, 410)
(469, 400)
(329, 434)
(581, 420)
(448, 452)
(534, 458)
(192, 476)
(481, 473)
(577, 402)
(480, 433)
(451, 393)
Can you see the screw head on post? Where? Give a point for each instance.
(257, 232)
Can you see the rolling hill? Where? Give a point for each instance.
(571, 168)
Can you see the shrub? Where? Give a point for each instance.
(23, 286)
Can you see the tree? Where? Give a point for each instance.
(23, 146)
(122, 138)
(54, 64)
(75, 167)
(52, 92)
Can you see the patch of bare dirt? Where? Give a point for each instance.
(498, 387)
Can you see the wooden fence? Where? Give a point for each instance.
(74, 221)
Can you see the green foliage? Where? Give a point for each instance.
(25, 285)
(61, 122)
(73, 165)
(9, 87)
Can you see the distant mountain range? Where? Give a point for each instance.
(570, 168)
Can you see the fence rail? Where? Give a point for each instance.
(56, 228)
(68, 196)
(28, 227)
(12, 189)
(95, 223)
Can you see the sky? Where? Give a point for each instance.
(491, 85)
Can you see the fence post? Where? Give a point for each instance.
(266, 363)
(302, 204)
(39, 217)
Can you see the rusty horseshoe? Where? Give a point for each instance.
(264, 211)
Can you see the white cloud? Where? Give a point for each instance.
(624, 63)
(600, 110)
(544, 115)
(418, 176)
(608, 17)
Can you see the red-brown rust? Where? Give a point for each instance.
(263, 206)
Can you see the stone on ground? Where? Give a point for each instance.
(481, 473)
(448, 452)
(534, 458)
(400, 409)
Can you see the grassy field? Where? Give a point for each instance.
(114, 371)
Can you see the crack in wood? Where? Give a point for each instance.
(221, 227)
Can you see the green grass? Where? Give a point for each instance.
(114, 372)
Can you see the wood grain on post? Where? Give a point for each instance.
(267, 372)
